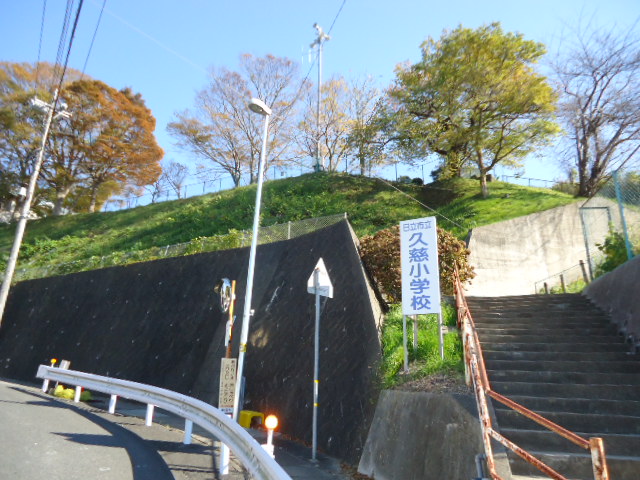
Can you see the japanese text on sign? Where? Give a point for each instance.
(419, 263)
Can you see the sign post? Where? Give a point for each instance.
(420, 271)
(320, 285)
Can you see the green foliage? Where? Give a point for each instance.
(615, 252)
(88, 241)
(381, 255)
(474, 97)
(427, 356)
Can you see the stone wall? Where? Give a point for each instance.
(159, 323)
(422, 435)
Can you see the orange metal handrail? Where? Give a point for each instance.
(475, 363)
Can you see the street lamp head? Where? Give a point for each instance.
(258, 106)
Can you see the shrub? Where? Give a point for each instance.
(381, 256)
(615, 252)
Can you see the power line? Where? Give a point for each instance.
(337, 15)
(66, 61)
(44, 9)
(95, 32)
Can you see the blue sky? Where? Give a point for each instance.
(163, 48)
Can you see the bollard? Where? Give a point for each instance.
(188, 429)
(148, 419)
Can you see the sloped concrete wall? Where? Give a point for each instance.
(422, 436)
(158, 323)
(616, 293)
(510, 257)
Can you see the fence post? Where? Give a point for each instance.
(625, 232)
(564, 287)
(584, 272)
(546, 288)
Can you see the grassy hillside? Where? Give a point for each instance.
(371, 205)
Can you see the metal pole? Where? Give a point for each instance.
(404, 344)
(415, 333)
(24, 213)
(316, 366)
(246, 315)
(441, 335)
(627, 243)
(318, 163)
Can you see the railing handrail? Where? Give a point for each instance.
(250, 453)
(474, 361)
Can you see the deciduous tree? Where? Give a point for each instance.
(474, 97)
(222, 130)
(599, 78)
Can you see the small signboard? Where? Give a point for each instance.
(227, 384)
(323, 287)
(419, 264)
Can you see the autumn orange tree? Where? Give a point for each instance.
(21, 124)
(107, 143)
(381, 256)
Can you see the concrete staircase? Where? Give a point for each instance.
(561, 357)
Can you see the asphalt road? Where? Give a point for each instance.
(46, 439)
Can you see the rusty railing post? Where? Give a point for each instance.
(600, 470)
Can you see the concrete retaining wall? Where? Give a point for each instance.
(158, 323)
(510, 257)
(422, 436)
(616, 293)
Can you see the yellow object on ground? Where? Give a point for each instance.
(248, 418)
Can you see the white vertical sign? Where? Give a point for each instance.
(419, 264)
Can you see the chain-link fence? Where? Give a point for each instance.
(611, 220)
(234, 239)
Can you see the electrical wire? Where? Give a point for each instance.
(44, 9)
(93, 39)
(63, 38)
(66, 61)
(336, 17)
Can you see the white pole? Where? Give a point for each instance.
(112, 404)
(246, 315)
(404, 344)
(441, 334)
(188, 430)
(76, 397)
(24, 212)
(316, 365)
(148, 419)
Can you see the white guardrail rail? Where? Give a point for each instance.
(249, 452)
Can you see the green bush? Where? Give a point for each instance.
(615, 252)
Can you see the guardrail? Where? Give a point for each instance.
(248, 451)
(477, 374)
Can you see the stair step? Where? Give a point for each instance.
(575, 405)
(561, 331)
(547, 441)
(593, 424)
(576, 467)
(563, 365)
(576, 378)
(551, 339)
(560, 347)
(558, 390)
(550, 356)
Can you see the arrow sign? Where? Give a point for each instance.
(319, 282)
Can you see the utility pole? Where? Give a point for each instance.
(322, 37)
(26, 206)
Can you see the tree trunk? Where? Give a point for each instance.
(58, 205)
(483, 185)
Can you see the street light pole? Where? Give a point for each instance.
(26, 206)
(322, 37)
(257, 106)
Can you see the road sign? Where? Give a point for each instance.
(227, 384)
(319, 282)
